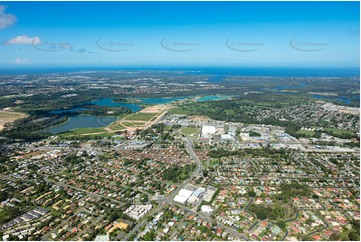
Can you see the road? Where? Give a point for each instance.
(210, 220)
(54, 230)
(82, 190)
(199, 168)
(169, 199)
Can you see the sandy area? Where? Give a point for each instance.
(8, 117)
(159, 110)
(354, 112)
(156, 108)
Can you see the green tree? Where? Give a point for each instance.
(149, 236)
(281, 224)
(251, 194)
(261, 215)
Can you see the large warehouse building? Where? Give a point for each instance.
(183, 196)
(208, 131)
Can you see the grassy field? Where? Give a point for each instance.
(87, 130)
(141, 116)
(213, 162)
(117, 126)
(178, 110)
(308, 133)
(339, 131)
(136, 124)
(133, 124)
(190, 130)
(83, 131)
(34, 153)
(10, 115)
(90, 135)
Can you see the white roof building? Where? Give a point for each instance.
(207, 131)
(192, 199)
(226, 137)
(102, 238)
(180, 199)
(206, 209)
(183, 195)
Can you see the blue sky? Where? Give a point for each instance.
(179, 33)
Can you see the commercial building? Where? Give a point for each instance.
(206, 209)
(102, 238)
(183, 196)
(208, 131)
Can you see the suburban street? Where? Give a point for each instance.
(169, 200)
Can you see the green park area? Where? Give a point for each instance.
(141, 116)
(190, 130)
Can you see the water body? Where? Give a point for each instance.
(345, 100)
(217, 78)
(110, 103)
(81, 121)
(211, 98)
(162, 100)
(72, 110)
(89, 121)
(193, 70)
(290, 86)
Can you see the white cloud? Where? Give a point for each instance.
(6, 19)
(24, 40)
(19, 61)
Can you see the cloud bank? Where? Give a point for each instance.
(20, 61)
(6, 19)
(24, 40)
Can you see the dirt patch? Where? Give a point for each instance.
(9, 117)
(156, 108)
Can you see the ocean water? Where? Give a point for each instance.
(218, 73)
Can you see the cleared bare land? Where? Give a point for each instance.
(140, 120)
(8, 117)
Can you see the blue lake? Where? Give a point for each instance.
(81, 121)
(162, 100)
(212, 98)
(72, 110)
(135, 107)
(110, 103)
(88, 121)
(290, 86)
(343, 99)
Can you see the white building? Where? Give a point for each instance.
(183, 195)
(208, 131)
(226, 137)
(102, 238)
(138, 211)
(206, 209)
(192, 199)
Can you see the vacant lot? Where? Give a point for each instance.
(8, 117)
(190, 130)
(341, 133)
(308, 133)
(141, 116)
(117, 126)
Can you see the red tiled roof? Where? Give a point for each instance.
(316, 237)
